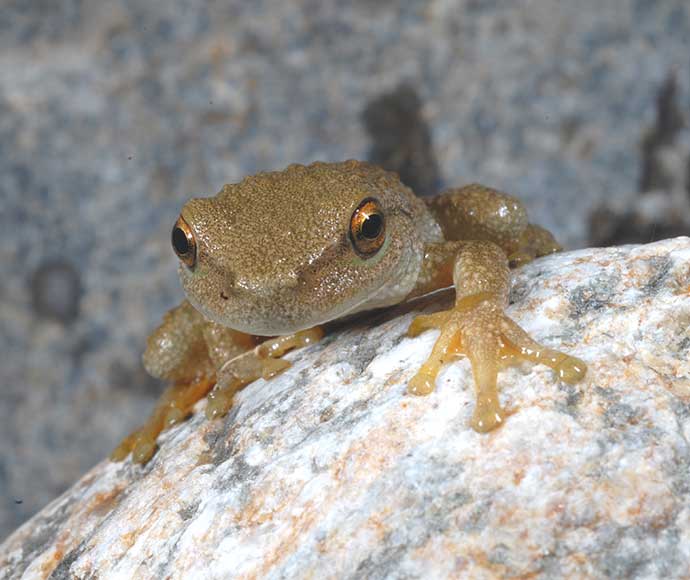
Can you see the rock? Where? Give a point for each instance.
(331, 470)
(662, 207)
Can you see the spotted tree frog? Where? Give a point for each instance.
(268, 261)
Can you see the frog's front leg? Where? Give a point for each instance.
(263, 361)
(478, 327)
(184, 350)
(195, 355)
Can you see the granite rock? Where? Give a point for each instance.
(331, 470)
(662, 207)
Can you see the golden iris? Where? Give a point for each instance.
(368, 228)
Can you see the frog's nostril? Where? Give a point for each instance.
(290, 280)
(224, 296)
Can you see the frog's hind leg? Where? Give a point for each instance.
(534, 242)
(477, 212)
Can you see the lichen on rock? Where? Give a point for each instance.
(331, 470)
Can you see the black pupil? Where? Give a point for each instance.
(180, 241)
(371, 228)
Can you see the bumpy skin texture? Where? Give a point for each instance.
(275, 255)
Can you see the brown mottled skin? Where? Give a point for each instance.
(275, 255)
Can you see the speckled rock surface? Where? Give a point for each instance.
(112, 114)
(330, 470)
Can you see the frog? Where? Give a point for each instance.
(269, 261)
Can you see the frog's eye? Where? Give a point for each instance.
(183, 242)
(368, 228)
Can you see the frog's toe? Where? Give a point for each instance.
(124, 448)
(219, 401)
(174, 416)
(422, 383)
(425, 322)
(518, 345)
(487, 417)
(238, 373)
(446, 344)
(143, 450)
(174, 405)
(273, 366)
(571, 369)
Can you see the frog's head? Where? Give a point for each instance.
(285, 251)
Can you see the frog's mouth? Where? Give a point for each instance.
(283, 322)
(371, 298)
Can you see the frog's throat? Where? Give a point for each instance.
(386, 293)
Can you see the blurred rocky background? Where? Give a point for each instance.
(112, 114)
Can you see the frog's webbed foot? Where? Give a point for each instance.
(261, 362)
(496, 234)
(478, 328)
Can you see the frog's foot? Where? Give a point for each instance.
(176, 402)
(261, 362)
(174, 405)
(478, 328)
(534, 243)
